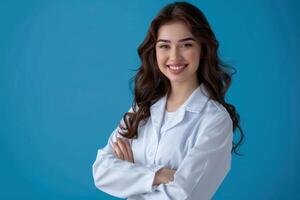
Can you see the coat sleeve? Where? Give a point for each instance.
(205, 166)
(121, 178)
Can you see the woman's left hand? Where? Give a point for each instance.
(123, 150)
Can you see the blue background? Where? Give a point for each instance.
(65, 68)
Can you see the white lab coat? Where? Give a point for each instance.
(197, 143)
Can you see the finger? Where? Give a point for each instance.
(118, 151)
(115, 149)
(123, 148)
(129, 150)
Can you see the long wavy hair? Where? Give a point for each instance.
(151, 84)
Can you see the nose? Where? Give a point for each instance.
(175, 54)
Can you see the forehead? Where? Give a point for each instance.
(174, 31)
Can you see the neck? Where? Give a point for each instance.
(179, 92)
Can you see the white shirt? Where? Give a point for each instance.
(196, 141)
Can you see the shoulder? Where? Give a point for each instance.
(215, 107)
(214, 113)
(215, 125)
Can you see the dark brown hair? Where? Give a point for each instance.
(151, 84)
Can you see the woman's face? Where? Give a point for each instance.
(177, 52)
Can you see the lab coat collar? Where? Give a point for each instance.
(194, 103)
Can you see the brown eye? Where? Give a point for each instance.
(187, 45)
(163, 46)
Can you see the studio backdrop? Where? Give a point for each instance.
(65, 70)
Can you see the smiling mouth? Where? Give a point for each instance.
(176, 69)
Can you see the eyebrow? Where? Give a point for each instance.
(181, 40)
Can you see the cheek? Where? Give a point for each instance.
(160, 59)
(194, 57)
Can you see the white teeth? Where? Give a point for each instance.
(176, 67)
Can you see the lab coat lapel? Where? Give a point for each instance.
(194, 103)
(176, 119)
(157, 113)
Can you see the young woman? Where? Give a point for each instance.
(176, 140)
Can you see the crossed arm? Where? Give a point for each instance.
(198, 176)
(123, 151)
